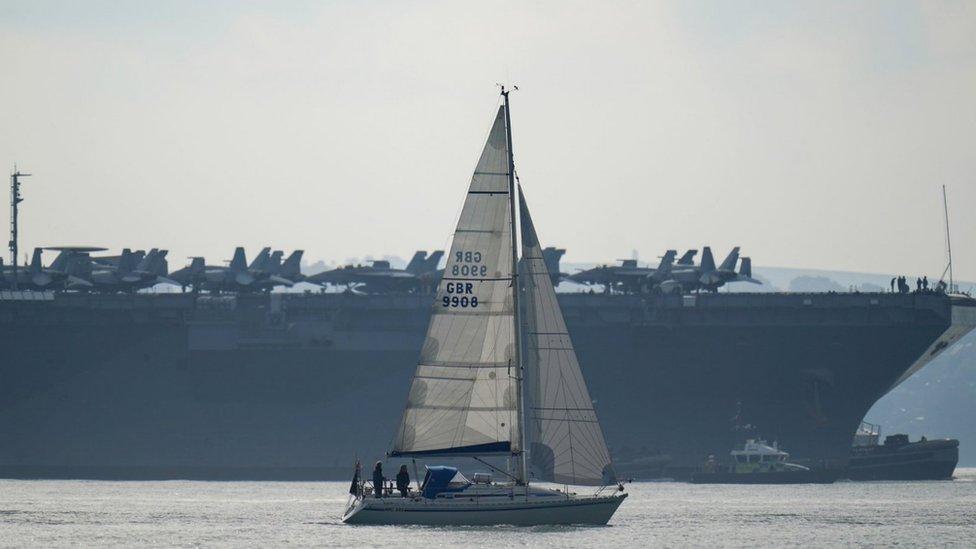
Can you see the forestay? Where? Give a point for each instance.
(463, 395)
(566, 444)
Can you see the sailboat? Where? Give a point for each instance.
(497, 378)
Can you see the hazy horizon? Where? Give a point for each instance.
(813, 135)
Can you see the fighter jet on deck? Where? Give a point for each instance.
(272, 272)
(129, 273)
(551, 257)
(380, 277)
(291, 269)
(376, 277)
(193, 274)
(688, 258)
(263, 274)
(37, 277)
(235, 276)
(429, 275)
(628, 277)
(669, 277)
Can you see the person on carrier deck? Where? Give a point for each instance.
(378, 479)
(403, 481)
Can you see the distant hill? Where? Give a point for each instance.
(815, 284)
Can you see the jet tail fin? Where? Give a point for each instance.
(159, 266)
(688, 258)
(197, 265)
(433, 260)
(35, 265)
(745, 268)
(730, 261)
(60, 261)
(239, 263)
(126, 261)
(707, 261)
(416, 262)
(293, 265)
(261, 260)
(274, 263)
(667, 260)
(551, 257)
(146, 262)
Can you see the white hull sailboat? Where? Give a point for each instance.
(500, 504)
(497, 377)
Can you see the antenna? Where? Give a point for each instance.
(15, 199)
(945, 207)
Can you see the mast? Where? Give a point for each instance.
(15, 199)
(522, 477)
(945, 207)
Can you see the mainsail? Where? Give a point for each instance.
(566, 444)
(463, 399)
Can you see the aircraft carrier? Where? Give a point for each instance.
(272, 385)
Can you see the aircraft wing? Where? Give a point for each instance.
(280, 281)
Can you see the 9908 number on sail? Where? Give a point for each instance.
(468, 264)
(460, 295)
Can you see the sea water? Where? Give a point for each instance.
(278, 514)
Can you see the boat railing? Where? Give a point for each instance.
(388, 491)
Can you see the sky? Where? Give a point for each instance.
(812, 134)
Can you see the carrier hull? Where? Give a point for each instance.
(254, 387)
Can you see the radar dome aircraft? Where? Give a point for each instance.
(35, 276)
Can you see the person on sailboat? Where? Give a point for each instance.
(378, 479)
(403, 481)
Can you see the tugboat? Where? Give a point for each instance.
(900, 459)
(759, 462)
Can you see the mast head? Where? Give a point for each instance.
(504, 91)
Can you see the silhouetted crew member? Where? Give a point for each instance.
(378, 479)
(925, 283)
(918, 284)
(893, 284)
(403, 481)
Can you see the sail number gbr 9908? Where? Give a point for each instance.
(468, 264)
(461, 294)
